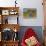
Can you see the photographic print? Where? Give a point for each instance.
(5, 12)
(29, 12)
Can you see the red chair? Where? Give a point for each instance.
(29, 33)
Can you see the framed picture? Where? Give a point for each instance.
(12, 12)
(5, 12)
(29, 12)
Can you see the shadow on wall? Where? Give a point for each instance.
(37, 29)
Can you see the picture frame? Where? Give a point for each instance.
(13, 12)
(5, 12)
(29, 13)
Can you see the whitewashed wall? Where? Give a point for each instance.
(27, 4)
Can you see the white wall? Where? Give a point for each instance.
(27, 4)
(32, 4)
